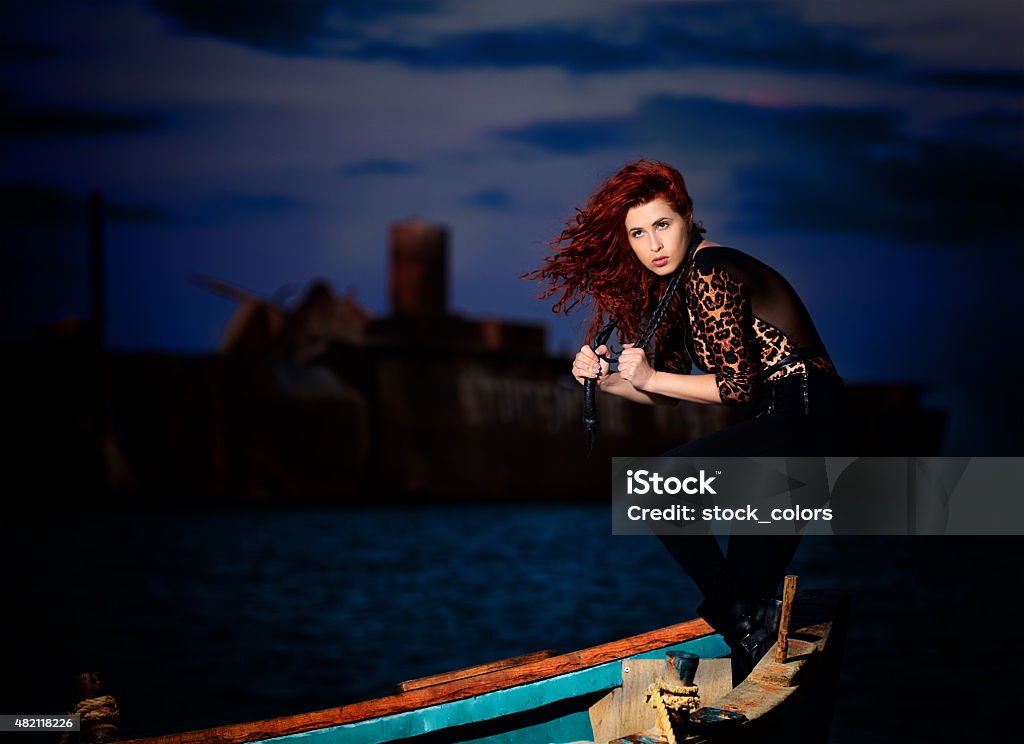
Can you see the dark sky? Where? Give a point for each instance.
(871, 151)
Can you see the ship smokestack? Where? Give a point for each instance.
(419, 269)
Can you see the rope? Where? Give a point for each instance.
(99, 712)
(674, 703)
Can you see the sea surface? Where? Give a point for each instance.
(195, 618)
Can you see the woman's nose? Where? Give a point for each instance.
(655, 243)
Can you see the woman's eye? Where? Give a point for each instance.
(662, 225)
(637, 233)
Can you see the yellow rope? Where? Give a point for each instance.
(672, 700)
(99, 712)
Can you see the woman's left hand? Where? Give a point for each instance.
(634, 367)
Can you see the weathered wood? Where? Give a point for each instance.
(98, 711)
(89, 685)
(624, 709)
(444, 692)
(788, 594)
(714, 679)
(473, 671)
(777, 694)
(819, 625)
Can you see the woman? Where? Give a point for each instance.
(732, 316)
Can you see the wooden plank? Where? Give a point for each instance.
(624, 709)
(788, 594)
(714, 680)
(444, 692)
(818, 620)
(473, 671)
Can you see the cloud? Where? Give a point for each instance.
(284, 26)
(377, 167)
(859, 172)
(625, 37)
(39, 122)
(950, 192)
(743, 34)
(994, 124)
(278, 25)
(824, 169)
(757, 34)
(573, 137)
(22, 50)
(574, 50)
(1010, 81)
(32, 205)
(490, 199)
(249, 204)
(263, 202)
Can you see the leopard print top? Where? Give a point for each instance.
(744, 317)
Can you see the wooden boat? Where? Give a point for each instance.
(593, 695)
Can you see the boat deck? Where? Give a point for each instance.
(758, 708)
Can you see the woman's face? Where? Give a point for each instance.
(658, 236)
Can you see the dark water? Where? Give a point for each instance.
(201, 618)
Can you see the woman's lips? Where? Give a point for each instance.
(660, 261)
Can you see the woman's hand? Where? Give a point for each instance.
(588, 363)
(637, 381)
(634, 367)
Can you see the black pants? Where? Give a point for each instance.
(797, 417)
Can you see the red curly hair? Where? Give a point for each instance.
(593, 263)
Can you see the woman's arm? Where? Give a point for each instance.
(613, 383)
(725, 323)
(694, 388)
(659, 388)
(591, 363)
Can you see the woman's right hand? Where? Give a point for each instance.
(588, 363)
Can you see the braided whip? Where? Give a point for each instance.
(590, 418)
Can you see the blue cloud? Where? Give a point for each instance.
(21, 50)
(534, 47)
(841, 170)
(33, 205)
(740, 33)
(572, 136)
(1010, 81)
(490, 199)
(279, 25)
(762, 35)
(285, 26)
(995, 126)
(377, 167)
(949, 192)
(18, 120)
(746, 34)
(250, 204)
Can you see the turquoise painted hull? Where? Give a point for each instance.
(565, 698)
(585, 696)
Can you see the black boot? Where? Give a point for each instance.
(750, 629)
